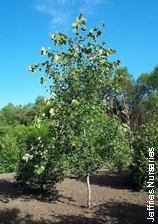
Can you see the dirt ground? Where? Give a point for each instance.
(113, 203)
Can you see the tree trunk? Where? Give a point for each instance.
(88, 192)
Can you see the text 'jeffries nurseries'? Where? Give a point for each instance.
(150, 206)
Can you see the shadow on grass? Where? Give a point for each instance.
(109, 213)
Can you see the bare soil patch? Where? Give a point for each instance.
(114, 202)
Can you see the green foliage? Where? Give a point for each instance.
(145, 99)
(17, 132)
(9, 155)
(7, 115)
(41, 164)
(107, 144)
(117, 153)
(137, 101)
(78, 135)
(11, 115)
(81, 74)
(12, 143)
(144, 139)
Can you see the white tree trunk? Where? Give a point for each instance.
(88, 192)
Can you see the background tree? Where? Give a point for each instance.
(137, 102)
(7, 115)
(145, 138)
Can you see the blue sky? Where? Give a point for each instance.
(131, 29)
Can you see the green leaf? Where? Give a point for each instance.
(56, 57)
(40, 170)
(117, 90)
(51, 111)
(99, 33)
(76, 102)
(32, 68)
(52, 36)
(83, 28)
(83, 21)
(73, 25)
(58, 77)
(43, 51)
(43, 80)
(77, 21)
(27, 156)
(74, 31)
(74, 77)
(93, 107)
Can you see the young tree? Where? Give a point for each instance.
(81, 76)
